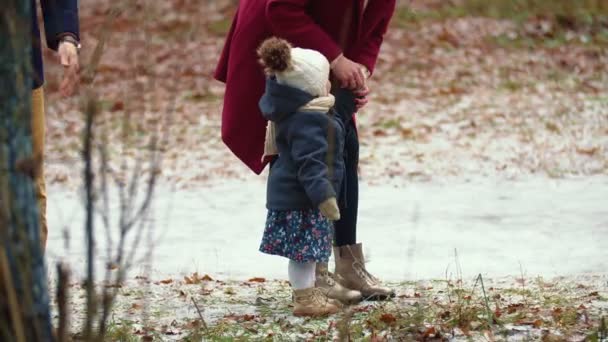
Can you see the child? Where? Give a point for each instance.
(307, 141)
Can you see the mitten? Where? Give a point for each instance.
(329, 209)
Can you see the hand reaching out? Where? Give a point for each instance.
(68, 55)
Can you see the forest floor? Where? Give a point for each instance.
(475, 102)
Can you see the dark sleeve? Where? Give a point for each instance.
(375, 23)
(345, 105)
(60, 18)
(307, 137)
(288, 19)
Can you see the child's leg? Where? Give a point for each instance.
(301, 275)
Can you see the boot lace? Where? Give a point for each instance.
(328, 278)
(318, 297)
(364, 274)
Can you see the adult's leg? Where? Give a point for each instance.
(346, 227)
(38, 133)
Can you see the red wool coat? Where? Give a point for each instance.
(331, 27)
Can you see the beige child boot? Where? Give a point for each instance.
(326, 282)
(350, 268)
(312, 302)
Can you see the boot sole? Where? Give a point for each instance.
(299, 314)
(352, 301)
(379, 298)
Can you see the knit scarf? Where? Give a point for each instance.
(319, 104)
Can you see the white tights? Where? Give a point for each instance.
(301, 275)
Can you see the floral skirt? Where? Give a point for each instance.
(300, 235)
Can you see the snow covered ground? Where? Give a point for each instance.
(538, 225)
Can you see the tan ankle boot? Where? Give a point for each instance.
(350, 268)
(312, 302)
(327, 283)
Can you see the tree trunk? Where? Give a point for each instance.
(24, 300)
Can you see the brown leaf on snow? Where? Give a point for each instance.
(590, 151)
(388, 318)
(112, 266)
(166, 281)
(429, 332)
(497, 312)
(257, 280)
(379, 133)
(118, 105)
(196, 279)
(514, 307)
(536, 323)
(240, 318)
(192, 324)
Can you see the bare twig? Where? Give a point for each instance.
(200, 314)
(489, 312)
(63, 282)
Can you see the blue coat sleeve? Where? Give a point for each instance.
(60, 18)
(307, 137)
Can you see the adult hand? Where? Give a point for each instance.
(348, 73)
(68, 55)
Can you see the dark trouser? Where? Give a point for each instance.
(346, 227)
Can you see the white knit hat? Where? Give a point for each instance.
(309, 72)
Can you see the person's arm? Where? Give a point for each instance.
(60, 19)
(289, 19)
(62, 33)
(375, 23)
(307, 137)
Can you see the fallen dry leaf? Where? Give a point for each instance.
(590, 151)
(430, 332)
(388, 318)
(112, 266)
(257, 280)
(511, 308)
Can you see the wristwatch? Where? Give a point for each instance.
(70, 39)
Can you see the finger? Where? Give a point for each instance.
(70, 78)
(360, 79)
(352, 82)
(363, 92)
(63, 87)
(361, 102)
(63, 56)
(73, 60)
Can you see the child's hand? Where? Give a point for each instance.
(329, 209)
(361, 97)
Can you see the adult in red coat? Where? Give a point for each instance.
(349, 33)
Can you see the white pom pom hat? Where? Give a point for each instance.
(309, 72)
